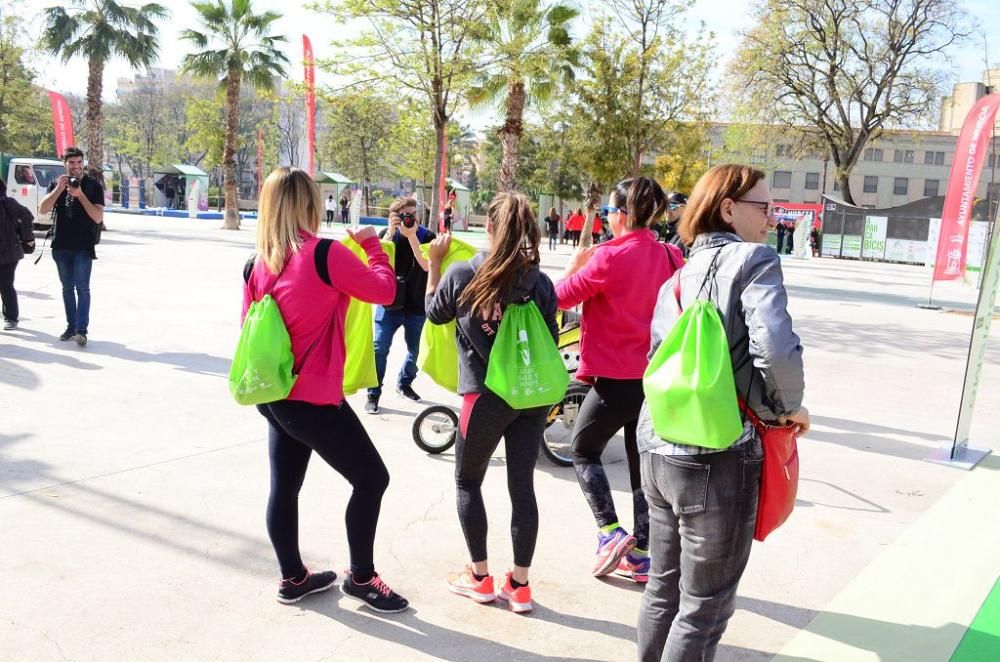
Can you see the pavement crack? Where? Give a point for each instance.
(436, 502)
(41, 632)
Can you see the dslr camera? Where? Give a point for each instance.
(74, 182)
(409, 220)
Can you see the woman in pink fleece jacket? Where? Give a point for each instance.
(312, 281)
(617, 283)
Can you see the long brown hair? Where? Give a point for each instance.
(642, 199)
(514, 238)
(704, 208)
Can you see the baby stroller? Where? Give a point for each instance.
(434, 428)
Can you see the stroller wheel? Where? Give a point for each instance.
(557, 442)
(434, 429)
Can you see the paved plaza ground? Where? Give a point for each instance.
(132, 488)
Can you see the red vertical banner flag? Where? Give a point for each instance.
(62, 122)
(960, 197)
(443, 188)
(310, 79)
(260, 160)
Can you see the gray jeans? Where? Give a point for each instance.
(702, 510)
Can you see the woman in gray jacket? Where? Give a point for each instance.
(703, 502)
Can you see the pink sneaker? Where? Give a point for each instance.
(465, 583)
(611, 549)
(519, 599)
(635, 566)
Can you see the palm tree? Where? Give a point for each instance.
(235, 46)
(100, 30)
(529, 44)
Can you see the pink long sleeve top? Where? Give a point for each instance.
(314, 312)
(618, 289)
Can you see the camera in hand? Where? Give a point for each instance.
(409, 220)
(74, 182)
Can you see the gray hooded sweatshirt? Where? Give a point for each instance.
(475, 335)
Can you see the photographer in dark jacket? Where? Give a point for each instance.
(78, 200)
(408, 308)
(15, 230)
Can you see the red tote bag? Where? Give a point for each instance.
(779, 475)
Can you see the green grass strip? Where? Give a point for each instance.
(981, 642)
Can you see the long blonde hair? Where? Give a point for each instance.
(514, 237)
(290, 202)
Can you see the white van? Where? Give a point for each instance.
(27, 180)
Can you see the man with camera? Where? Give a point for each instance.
(407, 310)
(78, 201)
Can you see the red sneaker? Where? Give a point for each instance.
(519, 599)
(465, 583)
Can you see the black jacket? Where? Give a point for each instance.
(15, 226)
(475, 335)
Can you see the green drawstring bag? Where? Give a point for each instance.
(525, 366)
(689, 385)
(359, 333)
(262, 367)
(438, 353)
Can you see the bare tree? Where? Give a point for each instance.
(847, 69)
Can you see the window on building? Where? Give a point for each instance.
(993, 192)
(992, 161)
(781, 179)
(902, 156)
(871, 184)
(812, 181)
(931, 187)
(934, 158)
(900, 185)
(782, 150)
(873, 154)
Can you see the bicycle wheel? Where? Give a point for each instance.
(434, 429)
(557, 442)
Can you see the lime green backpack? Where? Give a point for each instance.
(262, 367)
(438, 354)
(359, 334)
(689, 385)
(525, 367)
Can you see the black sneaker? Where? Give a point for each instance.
(375, 594)
(408, 392)
(81, 338)
(9, 325)
(371, 406)
(290, 592)
(67, 334)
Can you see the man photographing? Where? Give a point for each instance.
(78, 201)
(408, 308)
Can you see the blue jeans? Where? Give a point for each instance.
(74, 274)
(387, 322)
(702, 510)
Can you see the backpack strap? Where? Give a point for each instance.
(248, 267)
(321, 258)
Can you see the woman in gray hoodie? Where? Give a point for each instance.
(703, 502)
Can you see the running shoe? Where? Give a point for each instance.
(465, 583)
(67, 334)
(9, 325)
(611, 549)
(81, 338)
(290, 591)
(519, 599)
(635, 566)
(375, 594)
(408, 393)
(371, 406)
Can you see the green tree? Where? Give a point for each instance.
(418, 47)
(686, 159)
(845, 69)
(100, 30)
(25, 127)
(235, 46)
(360, 126)
(529, 58)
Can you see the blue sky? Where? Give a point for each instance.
(724, 17)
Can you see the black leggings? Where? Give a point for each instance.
(7, 292)
(611, 405)
(336, 435)
(486, 418)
